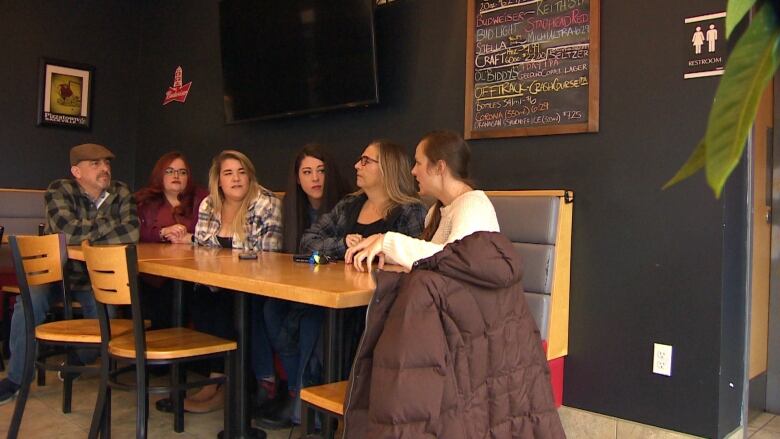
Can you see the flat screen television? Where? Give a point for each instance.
(289, 57)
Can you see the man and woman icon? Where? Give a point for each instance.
(699, 38)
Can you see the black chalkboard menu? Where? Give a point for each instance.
(532, 67)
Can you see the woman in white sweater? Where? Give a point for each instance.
(441, 169)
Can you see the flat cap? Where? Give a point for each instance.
(89, 151)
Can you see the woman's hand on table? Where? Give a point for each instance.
(176, 233)
(182, 239)
(366, 250)
(353, 239)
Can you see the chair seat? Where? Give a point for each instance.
(171, 343)
(80, 330)
(13, 289)
(327, 396)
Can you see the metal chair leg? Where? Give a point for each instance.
(227, 428)
(177, 397)
(307, 418)
(98, 425)
(24, 390)
(142, 402)
(41, 376)
(67, 387)
(106, 430)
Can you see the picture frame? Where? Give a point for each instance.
(65, 94)
(532, 68)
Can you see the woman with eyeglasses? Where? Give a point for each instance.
(168, 211)
(442, 170)
(168, 204)
(386, 201)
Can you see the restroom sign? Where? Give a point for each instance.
(705, 45)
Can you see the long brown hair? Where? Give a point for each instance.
(218, 197)
(296, 203)
(450, 148)
(396, 175)
(154, 191)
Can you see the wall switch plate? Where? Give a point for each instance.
(662, 359)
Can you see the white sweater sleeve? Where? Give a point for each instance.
(471, 212)
(404, 250)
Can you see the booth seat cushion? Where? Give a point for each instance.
(527, 219)
(539, 305)
(531, 224)
(21, 210)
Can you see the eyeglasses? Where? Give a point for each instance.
(365, 160)
(177, 172)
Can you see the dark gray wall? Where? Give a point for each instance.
(97, 32)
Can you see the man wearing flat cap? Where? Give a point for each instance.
(90, 206)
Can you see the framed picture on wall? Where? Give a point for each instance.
(65, 93)
(532, 68)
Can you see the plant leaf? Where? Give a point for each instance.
(691, 166)
(735, 12)
(748, 70)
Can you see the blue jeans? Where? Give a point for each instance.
(42, 298)
(262, 353)
(293, 330)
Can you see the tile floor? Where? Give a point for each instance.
(44, 418)
(763, 426)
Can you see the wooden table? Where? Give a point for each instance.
(157, 251)
(275, 275)
(334, 286)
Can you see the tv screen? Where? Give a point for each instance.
(282, 58)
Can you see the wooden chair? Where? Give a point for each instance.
(40, 260)
(113, 271)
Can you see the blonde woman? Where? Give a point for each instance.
(240, 214)
(386, 201)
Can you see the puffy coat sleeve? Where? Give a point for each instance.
(410, 365)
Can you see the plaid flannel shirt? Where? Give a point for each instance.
(327, 235)
(263, 217)
(69, 210)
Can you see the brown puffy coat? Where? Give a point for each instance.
(451, 351)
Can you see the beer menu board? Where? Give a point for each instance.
(532, 67)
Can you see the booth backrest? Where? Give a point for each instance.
(21, 210)
(539, 224)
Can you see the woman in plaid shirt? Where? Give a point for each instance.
(238, 213)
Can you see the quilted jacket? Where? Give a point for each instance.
(451, 351)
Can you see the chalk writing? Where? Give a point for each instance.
(531, 63)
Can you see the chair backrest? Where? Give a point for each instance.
(39, 259)
(112, 271)
(539, 225)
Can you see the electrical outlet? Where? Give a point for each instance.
(662, 359)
